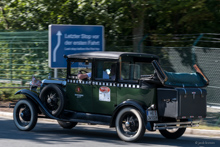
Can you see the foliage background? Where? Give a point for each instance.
(131, 25)
(125, 22)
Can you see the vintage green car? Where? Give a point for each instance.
(128, 91)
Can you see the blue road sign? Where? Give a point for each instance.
(71, 39)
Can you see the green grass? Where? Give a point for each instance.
(205, 127)
(7, 94)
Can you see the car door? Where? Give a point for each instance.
(104, 87)
(79, 92)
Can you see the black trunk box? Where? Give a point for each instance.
(181, 103)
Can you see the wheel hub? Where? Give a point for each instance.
(131, 124)
(49, 100)
(127, 124)
(52, 100)
(22, 115)
(25, 115)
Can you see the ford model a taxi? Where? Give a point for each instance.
(128, 91)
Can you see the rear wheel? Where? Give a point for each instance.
(172, 133)
(67, 125)
(129, 124)
(53, 99)
(25, 115)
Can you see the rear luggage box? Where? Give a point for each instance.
(182, 103)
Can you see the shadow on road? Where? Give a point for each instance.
(48, 133)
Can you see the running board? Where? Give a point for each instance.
(175, 125)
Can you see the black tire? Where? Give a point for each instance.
(25, 115)
(129, 124)
(67, 125)
(173, 134)
(53, 98)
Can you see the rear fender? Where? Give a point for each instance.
(129, 103)
(34, 97)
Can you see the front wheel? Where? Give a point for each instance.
(129, 124)
(25, 115)
(67, 125)
(173, 133)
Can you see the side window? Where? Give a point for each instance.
(83, 67)
(135, 71)
(105, 70)
(145, 68)
(130, 71)
(125, 70)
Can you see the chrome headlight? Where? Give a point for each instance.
(63, 83)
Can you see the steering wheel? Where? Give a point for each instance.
(81, 71)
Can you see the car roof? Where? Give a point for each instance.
(109, 55)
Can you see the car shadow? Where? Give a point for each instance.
(50, 133)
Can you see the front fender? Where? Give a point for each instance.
(127, 103)
(34, 97)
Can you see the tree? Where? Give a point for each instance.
(125, 22)
(37, 15)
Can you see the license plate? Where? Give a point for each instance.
(152, 115)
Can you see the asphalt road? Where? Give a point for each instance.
(51, 134)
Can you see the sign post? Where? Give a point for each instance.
(71, 39)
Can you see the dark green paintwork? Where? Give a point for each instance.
(83, 104)
(90, 102)
(146, 96)
(104, 107)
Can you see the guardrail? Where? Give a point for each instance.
(13, 87)
(23, 54)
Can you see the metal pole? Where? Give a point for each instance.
(55, 73)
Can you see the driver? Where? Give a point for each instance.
(84, 76)
(104, 74)
(88, 75)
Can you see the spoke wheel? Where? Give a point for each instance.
(129, 124)
(52, 97)
(25, 115)
(52, 101)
